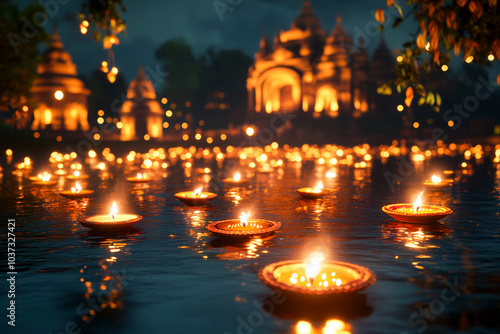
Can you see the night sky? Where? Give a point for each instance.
(151, 22)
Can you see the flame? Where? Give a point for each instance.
(114, 210)
(244, 218)
(197, 191)
(418, 203)
(76, 173)
(314, 265)
(319, 187)
(76, 189)
(435, 179)
(45, 177)
(139, 176)
(237, 177)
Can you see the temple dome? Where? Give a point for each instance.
(56, 71)
(307, 20)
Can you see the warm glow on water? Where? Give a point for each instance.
(168, 273)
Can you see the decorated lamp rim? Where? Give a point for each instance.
(266, 275)
(272, 227)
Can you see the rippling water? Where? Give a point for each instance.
(170, 275)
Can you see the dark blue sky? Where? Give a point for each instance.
(151, 22)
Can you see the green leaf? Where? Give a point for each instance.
(399, 9)
(421, 101)
(430, 98)
(397, 22)
(420, 89)
(385, 89)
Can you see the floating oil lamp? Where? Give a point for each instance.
(316, 277)
(235, 180)
(44, 180)
(40, 176)
(196, 197)
(77, 176)
(76, 192)
(243, 226)
(318, 191)
(111, 222)
(416, 212)
(436, 183)
(139, 178)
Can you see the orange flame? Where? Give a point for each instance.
(76, 189)
(314, 265)
(418, 203)
(197, 191)
(319, 187)
(435, 179)
(237, 177)
(244, 218)
(114, 211)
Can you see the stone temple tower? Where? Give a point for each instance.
(61, 97)
(141, 114)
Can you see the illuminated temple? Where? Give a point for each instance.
(305, 70)
(60, 95)
(141, 115)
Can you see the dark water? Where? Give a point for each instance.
(170, 275)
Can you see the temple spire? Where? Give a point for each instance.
(56, 39)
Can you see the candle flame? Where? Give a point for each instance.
(45, 177)
(197, 191)
(139, 176)
(244, 219)
(114, 210)
(319, 187)
(435, 179)
(237, 177)
(418, 203)
(76, 189)
(76, 173)
(314, 265)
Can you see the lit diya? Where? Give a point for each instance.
(243, 226)
(139, 178)
(235, 180)
(76, 192)
(40, 176)
(436, 183)
(316, 277)
(44, 180)
(196, 197)
(416, 212)
(77, 176)
(111, 222)
(318, 191)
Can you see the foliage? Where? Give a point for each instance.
(469, 28)
(215, 78)
(106, 19)
(19, 56)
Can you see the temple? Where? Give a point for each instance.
(141, 115)
(305, 70)
(60, 95)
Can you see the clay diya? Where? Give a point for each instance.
(243, 226)
(316, 277)
(139, 178)
(236, 180)
(196, 197)
(436, 183)
(111, 222)
(317, 192)
(76, 192)
(416, 212)
(44, 180)
(77, 176)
